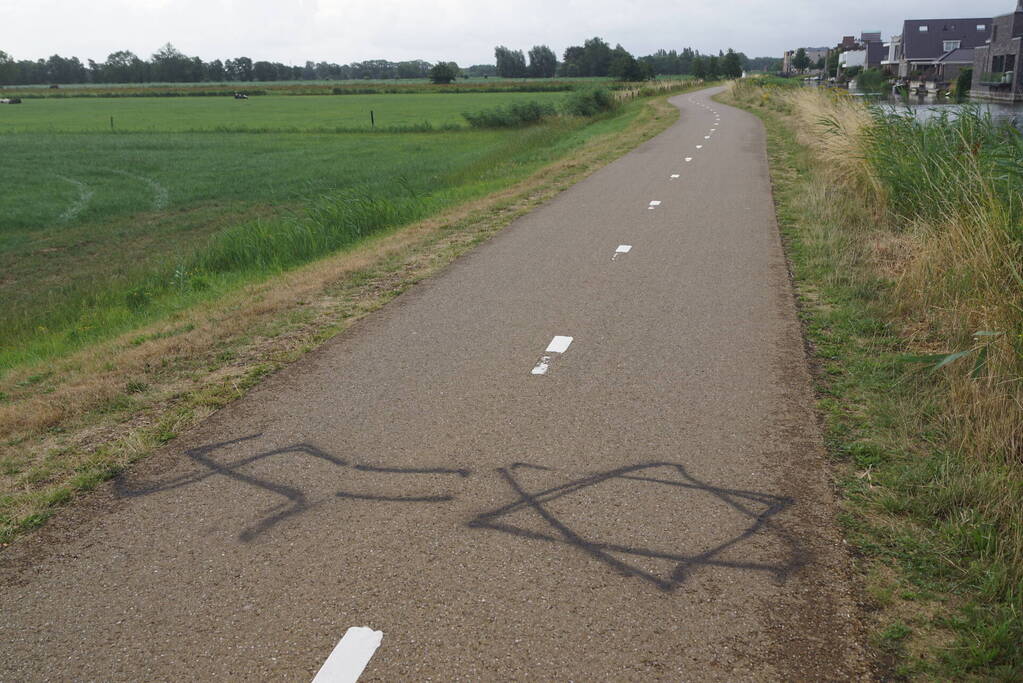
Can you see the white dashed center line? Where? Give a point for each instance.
(699, 147)
(688, 159)
(558, 345)
(654, 203)
(622, 249)
(674, 175)
(350, 656)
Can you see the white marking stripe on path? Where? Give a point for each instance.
(674, 175)
(559, 344)
(541, 367)
(655, 202)
(623, 249)
(689, 159)
(699, 147)
(350, 656)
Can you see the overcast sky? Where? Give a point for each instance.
(465, 31)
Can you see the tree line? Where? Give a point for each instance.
(169, 65)
(595, 57)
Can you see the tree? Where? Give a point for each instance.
(263, 71)
(481, 70)
(7, 68)
(625, 67)
(510, 63)
(731, 65)
(699, 67)
(800, 61)
(123, 66)
(592, 59)
(543, 63)
(444, 72)
(713, 68)
(239, 69)
(215, 71)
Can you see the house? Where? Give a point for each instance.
(917, 53)
(997, 67)
(872, 43)
(815, 54)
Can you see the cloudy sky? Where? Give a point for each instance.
(465, 31)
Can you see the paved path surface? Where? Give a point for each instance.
(653, 506)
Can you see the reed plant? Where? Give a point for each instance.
(907, 240)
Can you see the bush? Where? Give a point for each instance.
(872, 81)
(515, 115)
(589, 102)
(963, 84)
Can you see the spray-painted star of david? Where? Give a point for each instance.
(741, 501)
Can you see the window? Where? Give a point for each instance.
(981, 27)
(923, 28)
(949, 45)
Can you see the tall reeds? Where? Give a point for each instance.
(940, 226)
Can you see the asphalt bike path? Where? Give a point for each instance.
(586, 451)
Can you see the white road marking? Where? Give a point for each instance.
(655, 202)
(674, 175)
(622, 249)
(350, 656)
(706, 137)
(689, 159)
(699, 147)
(559, 344)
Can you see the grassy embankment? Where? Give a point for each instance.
(905, 243)
(210, 293)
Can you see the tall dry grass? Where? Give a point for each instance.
(941, 225)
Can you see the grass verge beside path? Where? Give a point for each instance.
(68, 425)
(930, 477)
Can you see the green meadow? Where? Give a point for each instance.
(104, 231)
(270, 113)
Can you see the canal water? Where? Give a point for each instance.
(929, 106)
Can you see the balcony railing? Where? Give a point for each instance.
(996, 79)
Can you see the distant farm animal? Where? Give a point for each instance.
(54, 87)
(240, 96)
(10, 100)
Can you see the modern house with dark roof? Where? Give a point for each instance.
(936, 49)
(997, 67)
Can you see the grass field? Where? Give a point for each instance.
(312, 113)
(102, 232)
(351, 87)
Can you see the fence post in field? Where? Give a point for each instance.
(111, 123)
(372, 119)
